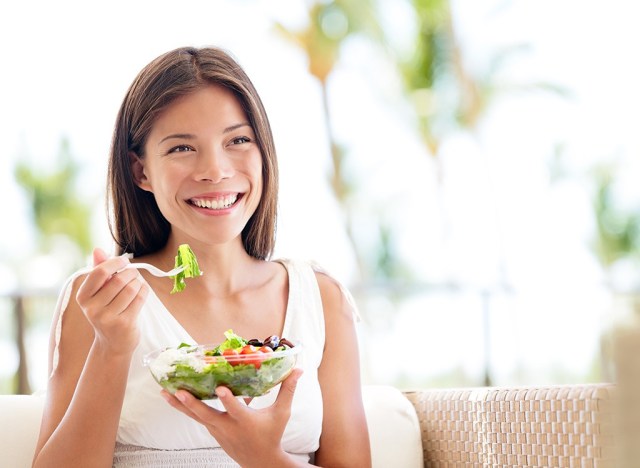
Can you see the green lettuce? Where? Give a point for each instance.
(187, 258)
(232, 341)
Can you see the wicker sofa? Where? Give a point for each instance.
(488, 427)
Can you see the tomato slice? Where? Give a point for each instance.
(231, 355)
(253, 356)
(248, 349)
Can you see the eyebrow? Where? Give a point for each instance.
(181, 136)
(190, 136)
(236, 126)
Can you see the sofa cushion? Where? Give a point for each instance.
(19, 427)
(394, 429)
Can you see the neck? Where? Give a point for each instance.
(226, 268)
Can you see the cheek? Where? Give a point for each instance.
(259, 183)
(257, 186)
(165, 178)
(256, 168)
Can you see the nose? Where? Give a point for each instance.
(213, 165)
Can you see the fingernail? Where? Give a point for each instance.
(180, 396)
(220, 392)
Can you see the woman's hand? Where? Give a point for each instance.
(252, 437)
(111, 300)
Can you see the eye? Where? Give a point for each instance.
(181, 149)
(240, 140)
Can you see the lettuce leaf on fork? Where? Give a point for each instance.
(187, 258)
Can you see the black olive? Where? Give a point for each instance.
(254, 342)
(286, 342)
(272, 341)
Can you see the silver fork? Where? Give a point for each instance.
(154, 270)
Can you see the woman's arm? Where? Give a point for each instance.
(86, 389)
(345, 437)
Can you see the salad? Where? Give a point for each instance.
(249, 368)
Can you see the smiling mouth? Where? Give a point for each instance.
(220, 203)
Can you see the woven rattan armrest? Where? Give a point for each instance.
(547, 426)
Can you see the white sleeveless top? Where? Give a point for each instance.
(147, 421)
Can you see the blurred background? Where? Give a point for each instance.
(468, 168)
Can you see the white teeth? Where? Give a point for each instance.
(217, 204)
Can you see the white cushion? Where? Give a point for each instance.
(20, 417)
(394, 429)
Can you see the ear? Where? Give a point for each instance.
(137, 169)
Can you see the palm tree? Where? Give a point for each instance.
(446, 96)
(329, 24)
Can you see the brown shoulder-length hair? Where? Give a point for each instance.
(135, 221)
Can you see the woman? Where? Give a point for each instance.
(193, 162)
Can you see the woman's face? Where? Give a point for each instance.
(203, 166)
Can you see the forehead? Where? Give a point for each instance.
(210, 108)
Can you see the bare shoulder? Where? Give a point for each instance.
(337, 305)
(339, 319)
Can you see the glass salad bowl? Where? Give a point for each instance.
(248, 370)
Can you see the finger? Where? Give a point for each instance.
(100, 275)
(99, 256)
(119, 282)
(196, 409)
(141, 297)
(100, 287)
(130, 297)
(177, 404)
(123, 295)
(229, 401)
(120, 317)
(288, 389)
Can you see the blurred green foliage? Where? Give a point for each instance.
(56, 206)
(447, 94)
(617, 229)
